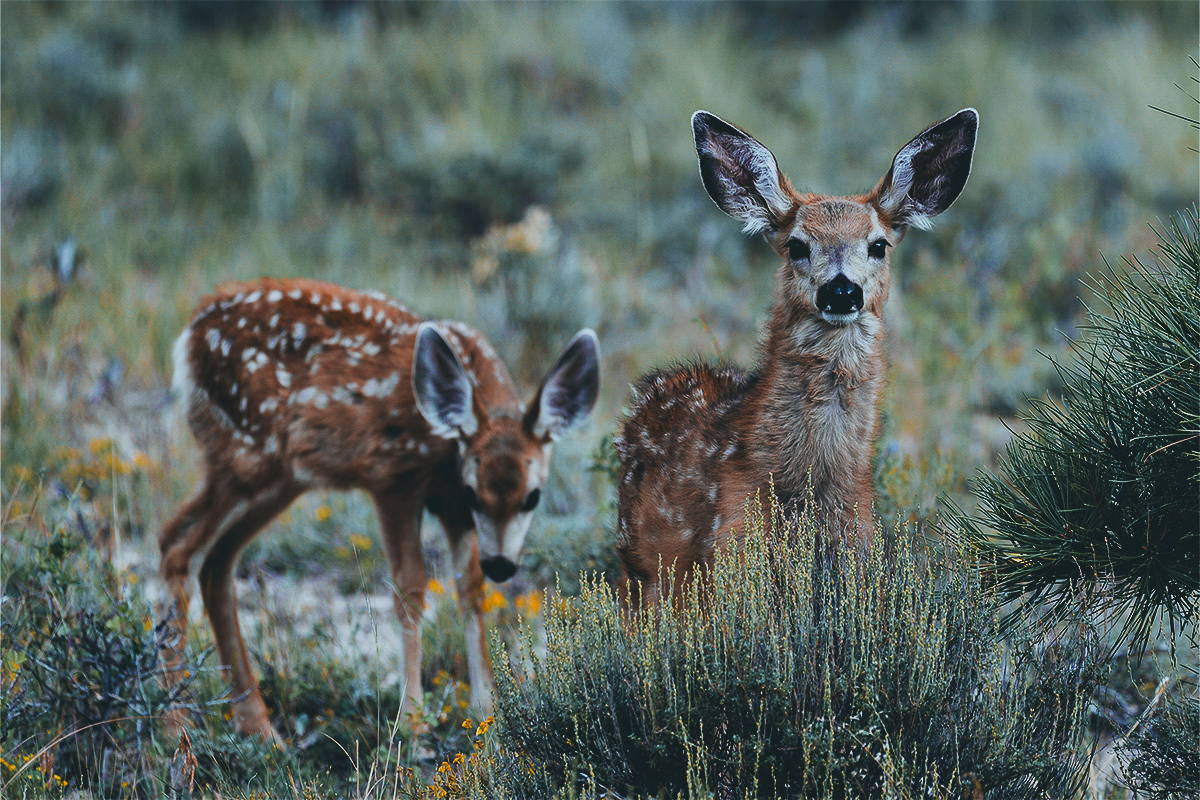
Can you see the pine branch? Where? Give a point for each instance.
(1100, 495)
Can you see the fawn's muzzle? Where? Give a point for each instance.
(498, 568)
(840, 297)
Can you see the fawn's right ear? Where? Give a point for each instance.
(739, 173)
(570, 389)
(441, 386)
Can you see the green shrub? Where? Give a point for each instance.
(883, 676)
(463, 193)
(81, 681)
(1099, 496)
(1161, 760)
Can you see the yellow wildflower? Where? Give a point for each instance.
(529, 604)
(360, 542)
(492, 601)
(435, 587)
(66, 454)
(323, 513)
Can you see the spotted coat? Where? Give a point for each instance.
(701, 444)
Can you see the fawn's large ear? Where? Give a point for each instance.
(740, 173)
(569, 392)
(441, 386)
(929, 173)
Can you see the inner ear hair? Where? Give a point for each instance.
(928, 174)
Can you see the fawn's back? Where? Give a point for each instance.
(312, 380)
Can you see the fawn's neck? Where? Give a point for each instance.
(817, 406)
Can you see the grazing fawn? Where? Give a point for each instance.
(293, 385)
(700, 440)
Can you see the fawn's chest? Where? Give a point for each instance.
(818, 417)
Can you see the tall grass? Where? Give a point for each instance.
(802, 670)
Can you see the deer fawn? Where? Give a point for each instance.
(701, 440)
(294, 385)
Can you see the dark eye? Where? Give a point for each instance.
(531, 500)
(473, 499)
(798, 250)
(877, 248)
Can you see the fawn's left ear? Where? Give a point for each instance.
(929, 173)
(569, 392)
(441, 386)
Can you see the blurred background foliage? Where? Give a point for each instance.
(528, 168)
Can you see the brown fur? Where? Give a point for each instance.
(294, 385)
(702, 442)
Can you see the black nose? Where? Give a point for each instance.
(840, 296)
(498, 568)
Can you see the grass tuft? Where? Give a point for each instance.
(885, 675)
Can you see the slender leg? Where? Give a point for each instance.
(184, 535)
(470, 604)
(399, 515)
(247, 517)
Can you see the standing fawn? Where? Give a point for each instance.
(700, 440)
(295, 385)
